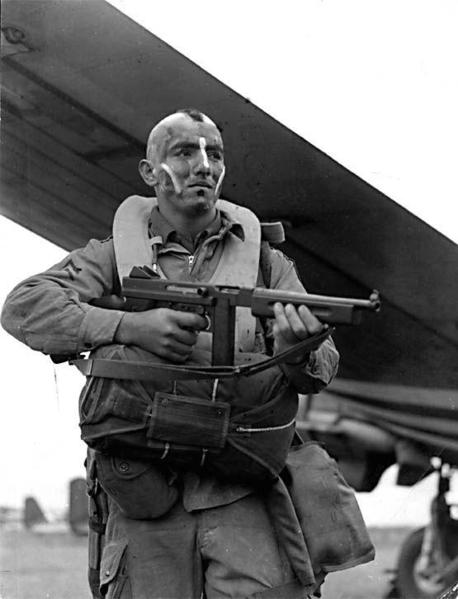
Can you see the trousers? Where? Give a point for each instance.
(228, 552)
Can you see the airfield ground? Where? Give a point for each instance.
(53, 566)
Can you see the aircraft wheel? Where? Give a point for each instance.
(418, 577)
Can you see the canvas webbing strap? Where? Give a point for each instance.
(143, 371)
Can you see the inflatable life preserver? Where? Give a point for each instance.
(238, 428)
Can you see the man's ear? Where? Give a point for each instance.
(147, 172)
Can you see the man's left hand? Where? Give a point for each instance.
(293, 325)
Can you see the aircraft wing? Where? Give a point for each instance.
(82, 85)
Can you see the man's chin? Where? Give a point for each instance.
(200, 202)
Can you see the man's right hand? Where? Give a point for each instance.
(168, 333)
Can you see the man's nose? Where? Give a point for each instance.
(201, 164)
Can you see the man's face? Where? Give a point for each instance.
(188, 163)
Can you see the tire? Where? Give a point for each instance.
(411, 582)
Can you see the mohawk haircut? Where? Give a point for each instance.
(193, 113)
(197, 115)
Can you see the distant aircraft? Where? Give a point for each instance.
(78, 507)
(81, 86)
(33, 514)
(76, 519)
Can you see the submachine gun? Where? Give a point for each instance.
(144, 290)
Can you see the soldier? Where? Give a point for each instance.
(176, 532)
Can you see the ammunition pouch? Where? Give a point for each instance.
(239, 428)
(141, 490)
(191, 420)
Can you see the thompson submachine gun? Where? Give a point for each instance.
(144, 291)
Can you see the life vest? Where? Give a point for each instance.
(237, 428)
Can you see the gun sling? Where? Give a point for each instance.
(143, 371)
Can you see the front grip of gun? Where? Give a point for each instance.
(332, 314)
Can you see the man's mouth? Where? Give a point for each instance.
(205, 184)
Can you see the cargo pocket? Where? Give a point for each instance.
(114, 577)
(140, 489)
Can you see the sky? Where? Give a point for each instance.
(372, 83)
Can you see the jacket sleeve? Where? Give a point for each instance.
(50, 312)
(315, 374)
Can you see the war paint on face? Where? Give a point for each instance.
(176, 185)
(220, 182)
(188, 160)
(171, 173)
(203, 145)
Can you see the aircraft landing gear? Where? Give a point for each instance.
(419, 567)
(428, 559)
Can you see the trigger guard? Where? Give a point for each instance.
(209, 322)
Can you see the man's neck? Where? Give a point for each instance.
(186, 224)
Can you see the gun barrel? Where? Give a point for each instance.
(332, 310)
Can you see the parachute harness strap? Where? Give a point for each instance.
(246, 429)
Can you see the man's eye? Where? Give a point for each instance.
(215, 155)
(185, 152)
